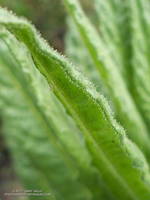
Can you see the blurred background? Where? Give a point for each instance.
(49, 17)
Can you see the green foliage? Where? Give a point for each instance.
(141, 60)
(25, 98)
(112, 79)
(61, 131)
(79, 55)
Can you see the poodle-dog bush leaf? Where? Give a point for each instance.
(62, 133)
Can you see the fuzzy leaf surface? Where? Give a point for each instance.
(125, 109)
(120, 161)
(48, 149)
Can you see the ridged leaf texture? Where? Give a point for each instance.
(141, 59)
(70, 132)
(113, 81)
(79, 55)
(48, 155)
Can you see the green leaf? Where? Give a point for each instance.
(141, 60)
(120, 161)
(79, 56)
(125, 109)
(48, 150)
(114, 27)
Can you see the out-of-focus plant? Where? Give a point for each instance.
(61, 131)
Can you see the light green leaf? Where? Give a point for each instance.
(140, 11)
(49, 151)
(126, 111)
(79, 56)
(114, 27)
(121, 163)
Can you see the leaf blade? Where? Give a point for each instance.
(41, 135)
(92, 114)
(129, 116)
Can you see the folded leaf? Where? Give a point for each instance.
(125, 108)
(120, 161)
(48, 150)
